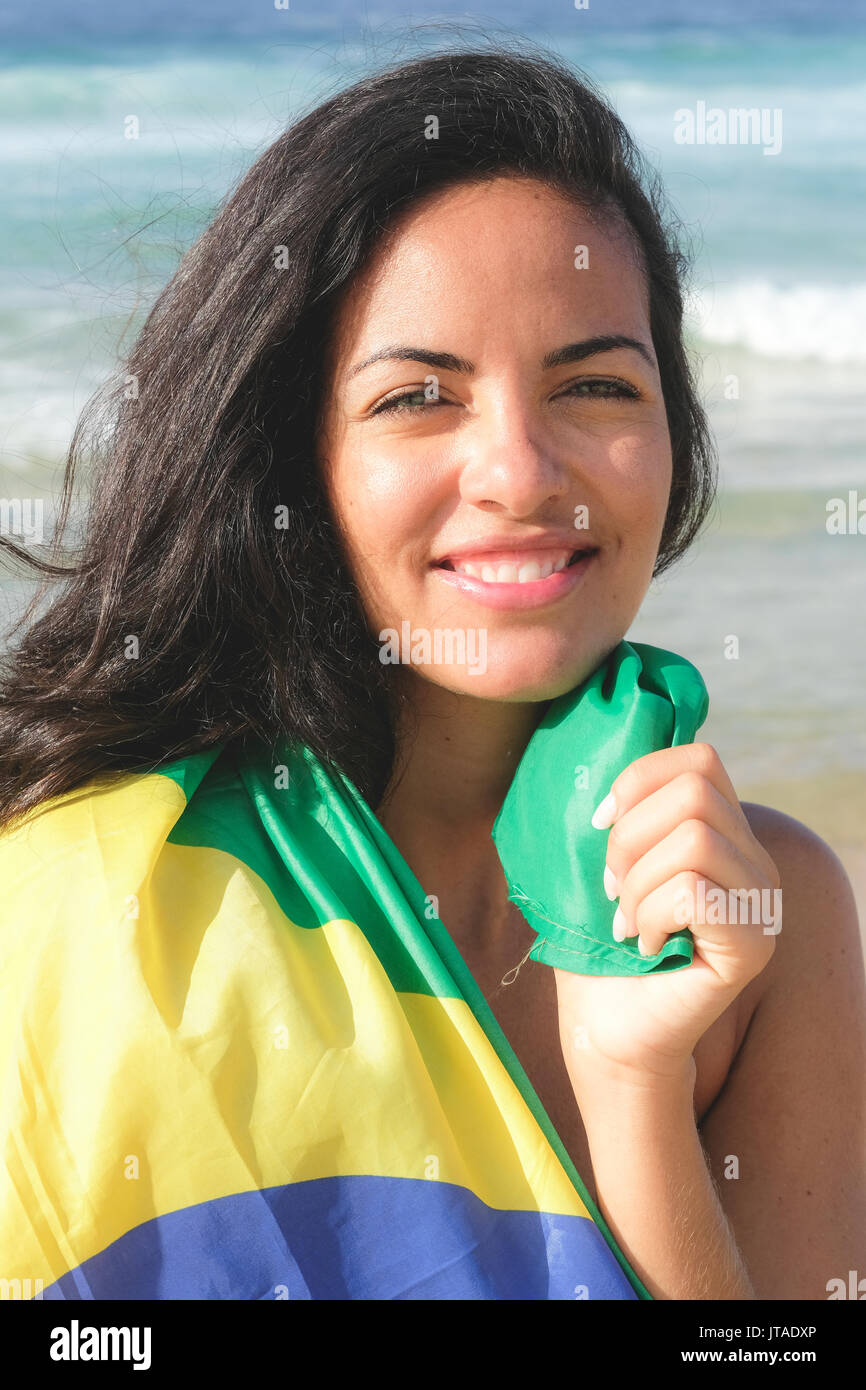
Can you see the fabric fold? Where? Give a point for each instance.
(638, 700)
(240, 1059)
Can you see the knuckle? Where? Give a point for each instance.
(707, 759)
(695, 836)
(695, 790)
(686, 893)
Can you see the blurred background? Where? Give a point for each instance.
(770, 603)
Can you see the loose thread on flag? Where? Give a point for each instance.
(515, 969)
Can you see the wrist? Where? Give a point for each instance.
(608, 1080)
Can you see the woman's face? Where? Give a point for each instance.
(487, 422)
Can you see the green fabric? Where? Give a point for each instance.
(639, 699)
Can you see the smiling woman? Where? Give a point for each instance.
(455, 488)
(424, 373)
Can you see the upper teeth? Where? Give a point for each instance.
(510, 573)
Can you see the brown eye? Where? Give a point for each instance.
(398, 403)
(603, 387)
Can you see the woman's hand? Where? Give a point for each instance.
(676, 824)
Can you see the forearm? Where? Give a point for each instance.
(655, 1190)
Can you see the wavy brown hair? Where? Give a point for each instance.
(247, 630)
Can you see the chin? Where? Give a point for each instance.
(512, 676)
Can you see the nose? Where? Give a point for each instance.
(509, 465)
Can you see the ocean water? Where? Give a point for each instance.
(93, 224)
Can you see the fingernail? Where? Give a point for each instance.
(619, 925)
(604, 813)
(642, 948)
(610, 887)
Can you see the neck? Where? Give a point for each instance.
(457, 755)
(456, 758)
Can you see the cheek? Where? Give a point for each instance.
(640, 482)
(376, 492)
(383, 509)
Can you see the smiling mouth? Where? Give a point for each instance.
(525, 568)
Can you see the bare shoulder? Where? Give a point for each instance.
(783, 835)
(820, 927)
(790, 1121)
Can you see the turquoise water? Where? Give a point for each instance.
(93, 224)
(98, 222)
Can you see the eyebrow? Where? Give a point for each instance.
(448, 362)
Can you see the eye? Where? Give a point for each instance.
(402, 402)
(600, 388)
(603, 387)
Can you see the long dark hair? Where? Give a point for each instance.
(209, 601)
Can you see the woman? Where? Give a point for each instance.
(439, 319)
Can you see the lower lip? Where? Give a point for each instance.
(533, 594)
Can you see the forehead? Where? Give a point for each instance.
(513, 248)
